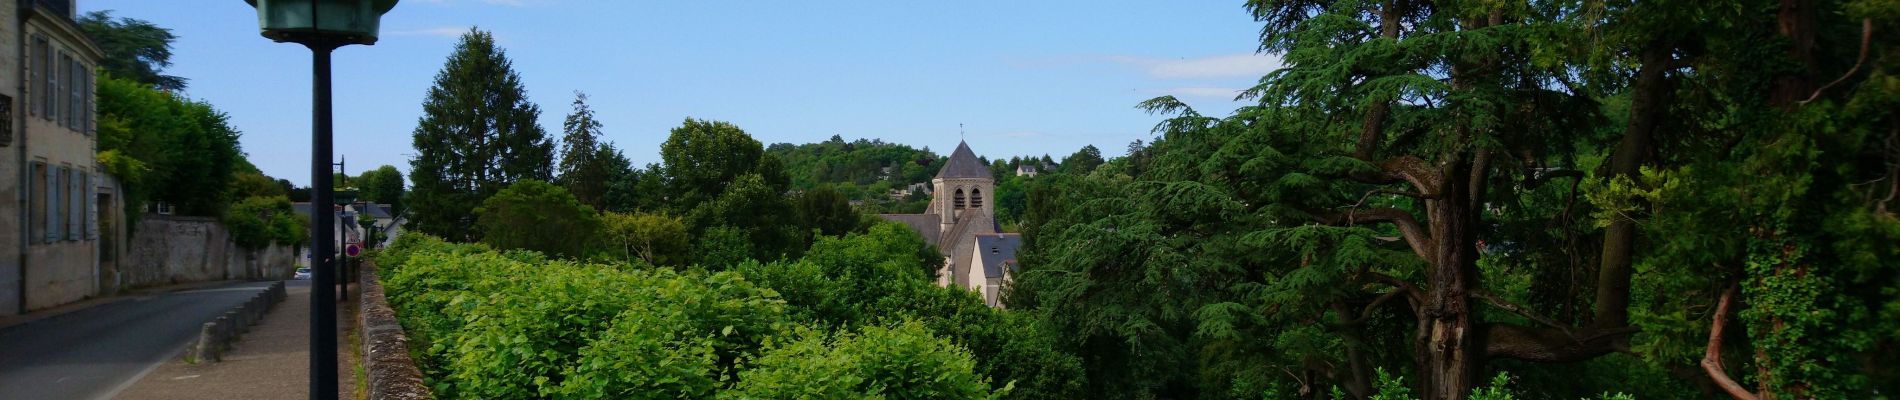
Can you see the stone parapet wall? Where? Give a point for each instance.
(390, 373)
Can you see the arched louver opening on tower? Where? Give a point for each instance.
(976, 198)
(959, 199)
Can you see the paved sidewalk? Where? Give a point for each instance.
(269, 362)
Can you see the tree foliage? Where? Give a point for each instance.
(260, 221)
(862, 170)
(1561, 190)
(826, 211)
(135, 49)
(381, 185)
(477, 135)
(1083, 161)
(654, 239)
(171, 149)
(703, 157)
(584, 171)
(538, 216)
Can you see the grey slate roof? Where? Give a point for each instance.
(964, 164)
(997, 250)
(302, 208)
(927, 225)
(376, 211)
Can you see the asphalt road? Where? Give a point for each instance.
(96, 352)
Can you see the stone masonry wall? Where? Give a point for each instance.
(390, 373)
(170, 249)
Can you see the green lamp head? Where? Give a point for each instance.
(331, 22)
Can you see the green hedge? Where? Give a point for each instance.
(516, 325)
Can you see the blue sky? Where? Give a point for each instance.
(1023, 77)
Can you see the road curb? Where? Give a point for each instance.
(217, 335)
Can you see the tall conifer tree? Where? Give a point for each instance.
(477, 134)
(582, 170)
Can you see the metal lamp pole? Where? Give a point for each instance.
(323, 231)
(343, 169)
(322, 26)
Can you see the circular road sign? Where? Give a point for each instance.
(352, 250)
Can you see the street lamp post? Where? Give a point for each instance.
(343, 170)
(322, 26)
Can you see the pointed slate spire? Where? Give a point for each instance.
(963, 164)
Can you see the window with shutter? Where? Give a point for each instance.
(92, 206)
(36, 197)
(72, 93)
(53, 219)
(52, 87)
(87, 120)
(75, 204)
(63, 91)
(37, 72)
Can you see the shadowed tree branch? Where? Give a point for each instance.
(1712, 358)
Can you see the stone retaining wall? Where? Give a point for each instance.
(175, 249)
(391, 374)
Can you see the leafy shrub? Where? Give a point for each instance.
(860, 278)
(678, 339)
(434, 286)
(1392, 387)
(520, 337)
(655, 239)
(515, 324)
(803, 286)
(902, 361)
(721, 247)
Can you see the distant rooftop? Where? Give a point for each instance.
(999, 252)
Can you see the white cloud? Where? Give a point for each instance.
(1248, 65)
(441, 31)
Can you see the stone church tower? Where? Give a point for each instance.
(964, 189)
(961, 222)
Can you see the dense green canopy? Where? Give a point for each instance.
(1561, 191)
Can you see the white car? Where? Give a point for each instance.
(302, 273)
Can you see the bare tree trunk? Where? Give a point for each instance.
(1619, 239)
(1795, 21)
(1358, 383)
(1451, 353)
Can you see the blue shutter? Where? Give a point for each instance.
(53, 221)
(92, 207)
(75, 193)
